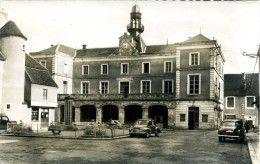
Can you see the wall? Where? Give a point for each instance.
(135, 75)
(37, 100)
(1, 84)
(13, 75)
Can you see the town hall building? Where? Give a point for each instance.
(178, 85)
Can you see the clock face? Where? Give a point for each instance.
(125, 45)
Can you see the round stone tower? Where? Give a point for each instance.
(12, 43)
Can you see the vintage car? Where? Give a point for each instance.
(232, 129)
(145, 128)
(4, 120)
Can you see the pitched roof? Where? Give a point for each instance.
(98, 52)
(198, 38)
(105, 52)
(66, 50)
(10, 29)
(52, 50)
(240, 85)
(37, 73)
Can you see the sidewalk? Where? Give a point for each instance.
(253, 146)
(79, 134)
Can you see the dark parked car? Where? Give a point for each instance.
(4, 120)
(144, 127)
(232, 128)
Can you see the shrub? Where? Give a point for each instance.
(88, 130)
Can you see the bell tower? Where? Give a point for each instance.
(135, 28)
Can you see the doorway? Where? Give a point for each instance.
(193, 118)
(124, 88)
(44, 118)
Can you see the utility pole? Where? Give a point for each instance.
(257, 56)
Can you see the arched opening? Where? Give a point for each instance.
(109, 112)
(159, 114)
(132, 113)
(87, 113)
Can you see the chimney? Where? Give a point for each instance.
(84, 46)
(51, 45)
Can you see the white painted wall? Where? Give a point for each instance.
(37, 96)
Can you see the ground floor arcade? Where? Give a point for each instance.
(167, 114)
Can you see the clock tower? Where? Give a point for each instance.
(133, 43)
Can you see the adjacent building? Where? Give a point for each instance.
(177, 84)
(241, 95)
(27, 91)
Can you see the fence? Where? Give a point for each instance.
(93, 130)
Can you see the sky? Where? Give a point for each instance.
(235, 25)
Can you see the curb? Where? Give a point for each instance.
(62, 137)
(252, 153)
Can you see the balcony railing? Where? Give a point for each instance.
(118, 97)
(140, 27)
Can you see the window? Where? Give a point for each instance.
(43, 63)
(229, 116)
(104, 69)
(103, 87)
(194, 84)
(194, 59)
(35, 114)
(85, 87)
(145, 86)
(204, 118)
(85, 70)
(182, 117)
(250, 102)
(168, 66)
(167, 86)
(124, 68)
(44, 94)
(65, 87)
(146, 68)
(230, 102)
(8, 106)
(65, 68)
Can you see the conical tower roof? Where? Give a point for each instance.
(11, 29)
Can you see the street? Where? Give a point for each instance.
(182, 146)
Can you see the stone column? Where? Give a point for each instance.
(77, 114)
(171, 117)
(145, 112)
(68, 110)
(121, 114)
(99, 114)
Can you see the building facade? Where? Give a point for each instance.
(177, 84)
(27, 91)
(241, 94)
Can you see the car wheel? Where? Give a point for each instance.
(220, 139)
(56, 131)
